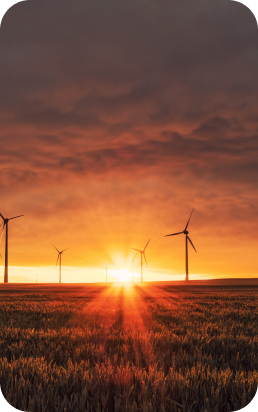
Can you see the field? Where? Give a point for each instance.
(154, 348)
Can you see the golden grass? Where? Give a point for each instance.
(154, 348)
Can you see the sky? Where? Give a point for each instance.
(117, 119)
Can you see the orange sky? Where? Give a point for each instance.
(115, 123)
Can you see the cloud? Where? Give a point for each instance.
(125, 110)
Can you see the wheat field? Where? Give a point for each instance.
(155, 347)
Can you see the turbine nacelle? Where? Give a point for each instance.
(5, 221)
(185, 232)
(5, 226)
(142, 252)
(59, 259)
(187, 239)
(59, 252)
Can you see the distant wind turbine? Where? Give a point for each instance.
(187, 238)
(142, 252)
(133, 265)
(5, 225)
(59, 257)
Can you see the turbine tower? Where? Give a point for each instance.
(142, 252)
(5, 225)
(187, 238)
(59, 257)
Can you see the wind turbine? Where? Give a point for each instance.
(5, 225)
(187, 238)
(59, 257)
(142, 252)
(133, 265)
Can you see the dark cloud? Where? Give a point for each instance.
(219, 148)
(112, 54)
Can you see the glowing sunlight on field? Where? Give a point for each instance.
(122, 275)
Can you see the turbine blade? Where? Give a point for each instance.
(57, 259)
(64, 250)
(15, 217)
(55, 248)
(173, 234)
(135, 256)
(2, 232)
(146, 245)
(1, 216)
(191, 243)
(145, 260)
(136, 249)
(189, 219)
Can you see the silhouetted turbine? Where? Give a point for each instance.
(133, 265)
(187, 238)
(59, 257)
(142, 252)
(5, 225)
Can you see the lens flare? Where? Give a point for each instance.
(122, 275)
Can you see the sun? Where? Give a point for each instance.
(122, 275)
